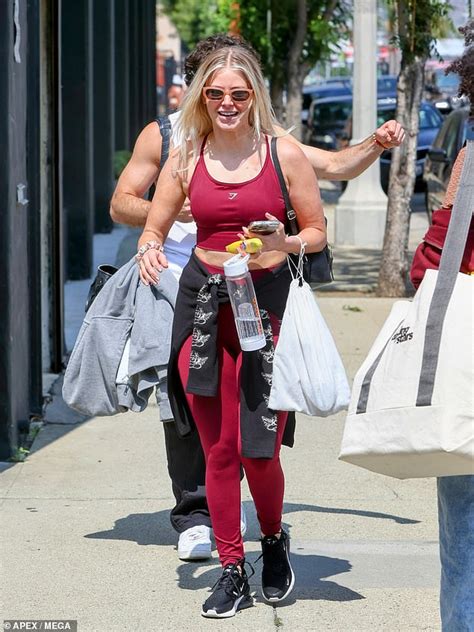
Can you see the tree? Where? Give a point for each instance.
(196, 19)
(416, 20)
(291, 36)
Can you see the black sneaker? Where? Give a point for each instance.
(230, 593)
(278, 578)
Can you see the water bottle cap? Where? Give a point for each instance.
(236, 266)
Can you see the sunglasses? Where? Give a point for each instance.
(239, 95)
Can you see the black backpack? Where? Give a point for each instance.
(166, 131)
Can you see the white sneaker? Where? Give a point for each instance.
(195, 543)
(243, 520)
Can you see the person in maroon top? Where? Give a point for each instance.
(186, 467)
(225, 169)
(455, 493)
(428, 254)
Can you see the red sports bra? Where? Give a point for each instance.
(220, 209)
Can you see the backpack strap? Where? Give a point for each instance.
(164, 124)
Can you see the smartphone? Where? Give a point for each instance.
(264, 226)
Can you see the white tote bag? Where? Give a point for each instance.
(412, 407)
(308, 374)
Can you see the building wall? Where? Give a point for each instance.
(51, 134)
(15, 274)
(45, 189)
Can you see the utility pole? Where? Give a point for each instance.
(361, 212)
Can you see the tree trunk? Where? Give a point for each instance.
(394, 266)
(276, 94)
(297, 71)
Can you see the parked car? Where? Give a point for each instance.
(387, 86)
(330, 127)
(342, 86)
(330, 88)
(328, 121)
(430, 121)
(441, 157)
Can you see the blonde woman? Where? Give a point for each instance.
(226, 170)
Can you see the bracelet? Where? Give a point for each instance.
(150, 245)
(377, 142)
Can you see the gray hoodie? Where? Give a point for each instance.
(125, 309)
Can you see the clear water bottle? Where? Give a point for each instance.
(244, 303)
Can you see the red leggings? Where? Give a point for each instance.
(217, 421)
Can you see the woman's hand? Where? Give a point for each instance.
(151, 264)
(273, 241)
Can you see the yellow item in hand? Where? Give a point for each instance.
(248, 245)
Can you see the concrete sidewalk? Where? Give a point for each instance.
(357, 269)
(86, 532)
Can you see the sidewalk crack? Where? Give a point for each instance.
(277, 620)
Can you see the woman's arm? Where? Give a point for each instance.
(165, 207)
(306, 202)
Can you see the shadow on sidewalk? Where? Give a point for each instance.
(294, 507)
(310, 573)
(146, 529)
(310, 570)
(154, 529)
(354, 267)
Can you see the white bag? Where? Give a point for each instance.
(412, 408)
(308, 374)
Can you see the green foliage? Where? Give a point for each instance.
(196, 19)
(327, 25)
(445, 28)
(419, 23)
(19, 455)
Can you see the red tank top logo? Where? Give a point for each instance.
(232, 196)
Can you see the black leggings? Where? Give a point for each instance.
(187, 470)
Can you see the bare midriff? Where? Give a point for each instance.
(257, 261)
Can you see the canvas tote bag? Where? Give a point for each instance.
(411, 412)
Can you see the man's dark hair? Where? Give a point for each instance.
(209, 45)
(464, 66)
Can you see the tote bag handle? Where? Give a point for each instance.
(449, 269)
(449, 266)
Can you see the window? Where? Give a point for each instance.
(329, 114)
(386, 84)
(429, 118)
(385, 115)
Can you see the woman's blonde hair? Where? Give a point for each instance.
(195, 123)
